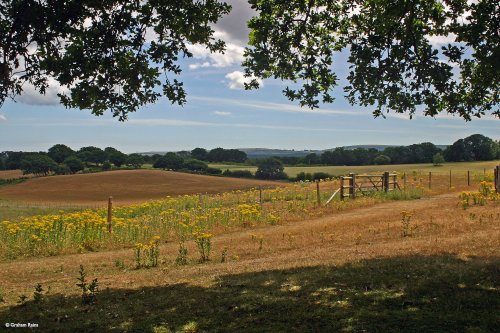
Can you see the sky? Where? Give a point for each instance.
(219, 113)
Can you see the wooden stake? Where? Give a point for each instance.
(385, 181)
(342, 188)
(430, 180)
(353, 185)
(497, 178)
(260, 196)
(468, 177)
(110, 214)
(317, 193)
(450, 178)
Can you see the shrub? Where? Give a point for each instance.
(106, 166)
(438, 159)
(213, 171)
(195, 165)
(321, 175)
(302, 176)
(241, 174)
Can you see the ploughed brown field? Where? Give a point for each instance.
(126, 186)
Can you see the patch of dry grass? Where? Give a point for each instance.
(343, 272)
(10, 174)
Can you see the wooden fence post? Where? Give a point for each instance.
(352, 190)
(497, 178)
(110, 214)
(430, 180)
(450, 178)
(260, 196)
(318, 197)
(468, 177)
(385, 181)
(342, 188)
(404, 180)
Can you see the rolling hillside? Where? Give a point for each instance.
(126, 186)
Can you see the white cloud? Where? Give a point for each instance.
(237, 80)
(199, 65)
(187, 123)
(233, 55)
(280, 107)
(2, 118)
(167, 122)
(441, 40)
(222, 113)
(31, 96)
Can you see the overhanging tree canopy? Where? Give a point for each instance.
(393, 65)
(109, 54)
(119, 55)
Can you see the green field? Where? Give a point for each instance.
(474, 167)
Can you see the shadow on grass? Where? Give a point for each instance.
(401, 294)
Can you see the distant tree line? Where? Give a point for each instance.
(218, 155)
(476, 147)
(182, 162)
(61, 159)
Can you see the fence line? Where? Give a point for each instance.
(356, 184)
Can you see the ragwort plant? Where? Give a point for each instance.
(405, 220)
(203, 243)
(147, 255)
(89, 290)
(182, 255)
(38, 294)
(480, 198)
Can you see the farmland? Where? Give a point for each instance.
(462, 167)
(417, 260)
(10, 174)
(127, 186)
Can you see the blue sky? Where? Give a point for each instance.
(220, 114)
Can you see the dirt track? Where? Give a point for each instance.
(126, 186)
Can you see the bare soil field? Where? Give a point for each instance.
(352, 271)
(126, 186)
